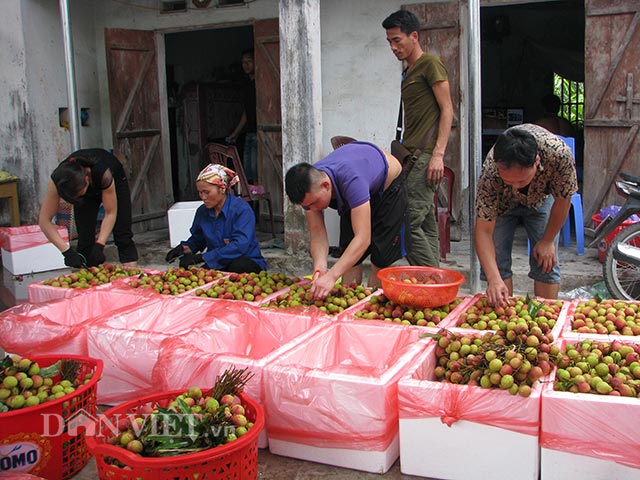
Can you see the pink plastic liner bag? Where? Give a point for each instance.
(420, 396)
(13, 239)
(343, 379)
(129, 344)
(60, 326)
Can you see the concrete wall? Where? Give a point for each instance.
(33, 83)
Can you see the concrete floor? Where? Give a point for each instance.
(578, 271)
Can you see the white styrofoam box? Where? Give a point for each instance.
(562, 465)
(129, 343)
(438, 418)
(556, 331)
(25, 250)
(187, 361)
(589, 436)
(361, 307)
(17, 286)
(575, 336)
(60, 326)
(180, 217)
(332, 398)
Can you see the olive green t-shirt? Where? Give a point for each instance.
(421, 108)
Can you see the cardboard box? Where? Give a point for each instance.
(25, 250)
(333, 398)
(588, 436)
(180, 217)
(457, 431)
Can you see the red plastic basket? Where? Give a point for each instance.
(237, 460)
(40, 440)
(397, 285)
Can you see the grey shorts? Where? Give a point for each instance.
(535, 223)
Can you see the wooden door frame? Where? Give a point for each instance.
(160, 37)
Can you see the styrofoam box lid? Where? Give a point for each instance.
(185, 205)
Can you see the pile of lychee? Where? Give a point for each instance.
(92, 276)
(379, 307)
(339, 298)
(24, 384)
(192, 421)
(607, 317)
(175, 281)
(605, 368)
(520, 310)
(490, 360)
(250, 287)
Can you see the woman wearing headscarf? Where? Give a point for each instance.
(223, 229)
(87, 179)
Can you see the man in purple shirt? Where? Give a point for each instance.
(367, 187)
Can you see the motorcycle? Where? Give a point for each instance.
(621, 267)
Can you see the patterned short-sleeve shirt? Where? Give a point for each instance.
(555, 176)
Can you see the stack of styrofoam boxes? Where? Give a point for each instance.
(180, 218)
(60, 326)
(462, 431)
(587, 435)
(129, 343)
(26, 250)
(333, 398)
(183, 363)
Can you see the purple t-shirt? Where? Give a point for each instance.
(358, 171)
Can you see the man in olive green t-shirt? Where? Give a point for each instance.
(426, 100)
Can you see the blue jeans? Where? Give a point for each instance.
(250, 157)
(535, 223)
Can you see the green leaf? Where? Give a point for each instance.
(597, 297)
(51, 370)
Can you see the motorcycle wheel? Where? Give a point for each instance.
(623, 279)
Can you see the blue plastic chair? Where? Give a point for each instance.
(576, 203)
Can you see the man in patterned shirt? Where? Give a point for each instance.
(529, 175)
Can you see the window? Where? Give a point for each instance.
(571, 94)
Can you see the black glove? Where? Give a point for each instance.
(96, 256)
(174, 253)
(190, 259)
(74, 259)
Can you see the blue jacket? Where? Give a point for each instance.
(231, 235)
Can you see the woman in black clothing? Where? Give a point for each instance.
(87, 179)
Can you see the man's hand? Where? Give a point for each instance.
(544, 253)
(498, 293)
(321, 286)
(74, 259)
(189, 259)
(435, 170)
(96, 256)
(174, 253)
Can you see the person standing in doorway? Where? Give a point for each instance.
(428, 115)
(248, 122)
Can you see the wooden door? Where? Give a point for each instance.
(268, 112)
(440, 35)
(135, 118)
(612, 99)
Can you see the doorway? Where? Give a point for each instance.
(524, 48)
(205, 83)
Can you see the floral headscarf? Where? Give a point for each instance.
(219, 175)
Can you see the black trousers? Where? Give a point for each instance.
(86, 217)
(242, 265)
